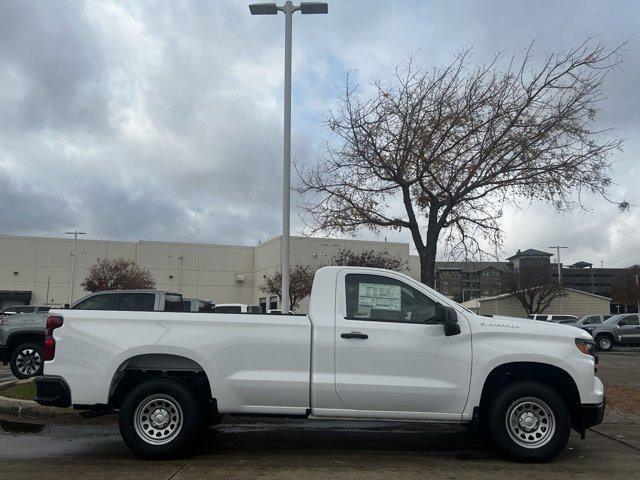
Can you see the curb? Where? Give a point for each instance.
(30, 411)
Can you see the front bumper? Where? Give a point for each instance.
(52, 391)
(586, 416)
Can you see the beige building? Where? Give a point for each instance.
(37, 270)
(573, 302)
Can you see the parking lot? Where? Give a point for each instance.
(249, 448)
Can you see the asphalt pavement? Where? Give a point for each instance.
(5, 373)
(293, 449)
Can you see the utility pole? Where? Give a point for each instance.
(557, 249)
(272, 9)
(75, 234)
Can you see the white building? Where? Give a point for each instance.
(37, 270)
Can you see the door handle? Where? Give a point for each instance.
(358, 335)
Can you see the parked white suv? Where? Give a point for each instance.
(375, 345)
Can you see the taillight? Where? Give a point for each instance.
(53, 322)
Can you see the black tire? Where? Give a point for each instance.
(607, 342)
(549, 429)
(27, 360)
(165, 397)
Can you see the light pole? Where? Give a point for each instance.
(638, 293)
(557, 249)
(75, 234)
(272, 9)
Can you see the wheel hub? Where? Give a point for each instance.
(160, 418)
(530, 422)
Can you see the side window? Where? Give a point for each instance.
(137, 302)
(631, 320)
(104, 301)
(384, 299)
(592, 320)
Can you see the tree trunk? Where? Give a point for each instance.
(428, 261)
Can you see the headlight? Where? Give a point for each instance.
(4, 321)
(588, 347)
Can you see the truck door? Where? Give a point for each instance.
(629, 329)
(390, 355)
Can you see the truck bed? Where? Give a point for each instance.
(254, 363)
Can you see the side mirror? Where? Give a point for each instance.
(622, 323)
(449, 318)
(66, 306)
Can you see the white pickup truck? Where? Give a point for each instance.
(376, 345)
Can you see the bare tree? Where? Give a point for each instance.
(117, 274)
(368, 258)
(441, 151)
(300, 283)
(533, 287)
(625, 289)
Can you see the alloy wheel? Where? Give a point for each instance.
(28, 362)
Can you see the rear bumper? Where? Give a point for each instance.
(4, 353)
(588, 416)
(52, 391)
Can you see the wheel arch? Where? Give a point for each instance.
(24, 336)
(551, 375)
(145, 366)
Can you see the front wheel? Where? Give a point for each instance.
(530, 421)
(27, 360)
(605, 343)
(159, 419)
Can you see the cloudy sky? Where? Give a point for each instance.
(162, 120)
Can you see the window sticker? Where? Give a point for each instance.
(379, 297)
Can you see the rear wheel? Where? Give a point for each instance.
(27, 360)
(605, 343)
(159, 419)
(530, 421)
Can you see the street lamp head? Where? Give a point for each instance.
(263, 9)
(308, 8)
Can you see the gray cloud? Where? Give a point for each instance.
(162, 119)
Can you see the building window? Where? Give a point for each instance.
(273, 303)
(263, 304)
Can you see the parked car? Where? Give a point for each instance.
(197, 305)
(17, 309)
(588, 323)
(22, 336)
(237, 308)
(22, 343)
(375, 345)
(131, 300)
(623, 330)
(550, 317)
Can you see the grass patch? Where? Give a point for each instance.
(21, 391)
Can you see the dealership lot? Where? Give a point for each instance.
(247, 448)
